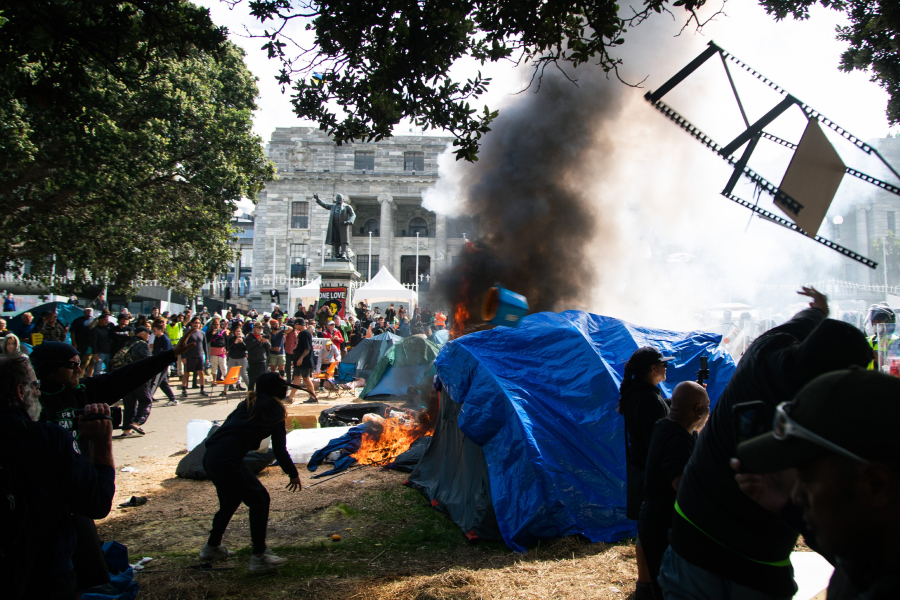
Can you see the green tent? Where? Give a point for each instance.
(403, 365)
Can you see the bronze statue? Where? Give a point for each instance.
(337, 232)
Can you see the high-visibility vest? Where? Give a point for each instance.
(880, 345)
(439, 319)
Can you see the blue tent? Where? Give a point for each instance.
(540, 401)
(441, 337)
(65, 314)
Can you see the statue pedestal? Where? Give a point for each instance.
(340, 273)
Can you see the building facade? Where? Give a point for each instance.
(868, 222)
(383, 182)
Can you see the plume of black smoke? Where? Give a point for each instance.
(527, 195)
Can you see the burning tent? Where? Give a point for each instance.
(529, 445)
(404, 364)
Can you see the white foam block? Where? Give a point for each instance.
(811, 572)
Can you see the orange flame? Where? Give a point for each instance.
(387, 439)
(460, 312)
(460, 316)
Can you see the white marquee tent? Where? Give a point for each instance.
(308, 293)
(384, 288)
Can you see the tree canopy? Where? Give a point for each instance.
(125, 142)
(383, 61)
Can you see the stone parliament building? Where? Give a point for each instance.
(383, 182)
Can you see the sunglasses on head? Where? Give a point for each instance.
(785, 428)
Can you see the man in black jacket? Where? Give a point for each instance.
(101, 344)
(81, 336)
(120, 334)
(721, 540)
(58, 368)
(257, 354)
(138, 401)
(53, 484)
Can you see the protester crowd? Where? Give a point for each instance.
(801, 442)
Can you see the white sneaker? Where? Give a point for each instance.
(171, 403)
(266, 562)
(212, 553)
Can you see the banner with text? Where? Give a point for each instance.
(334, 297)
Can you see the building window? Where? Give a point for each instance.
(362, 265)
(300, 215)
(298, 254)
(418, 225)
(414, 161)
(247, 258)
(371, 226)
(364, 160)
(892, 222)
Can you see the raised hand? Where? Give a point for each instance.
(182, 345)
(819, 300)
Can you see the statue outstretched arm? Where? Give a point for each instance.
(320, 203)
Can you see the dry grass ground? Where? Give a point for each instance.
(394, 546)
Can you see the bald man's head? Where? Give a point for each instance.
(690, 405)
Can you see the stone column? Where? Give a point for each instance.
(385, 230)
(862, 243)
(440, 244)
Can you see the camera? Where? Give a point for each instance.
(703, 373)
(115, 415)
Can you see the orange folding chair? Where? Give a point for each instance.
(234, 373)
(326, 376)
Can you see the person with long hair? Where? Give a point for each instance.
(11, 345)
(259, 416)
(642, 404)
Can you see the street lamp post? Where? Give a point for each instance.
(417, 263)
(274, 245)
(369, 278)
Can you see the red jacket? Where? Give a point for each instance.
(335, 337)
(290, 341)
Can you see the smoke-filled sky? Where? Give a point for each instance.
(590, 197)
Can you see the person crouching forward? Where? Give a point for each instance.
(261, 415)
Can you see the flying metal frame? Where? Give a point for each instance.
(751, 136)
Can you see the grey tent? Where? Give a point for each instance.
(453, 475)
(366, 354)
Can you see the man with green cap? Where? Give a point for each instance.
(833, 454)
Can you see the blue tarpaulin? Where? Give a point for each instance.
(348, 443)
(540, 400)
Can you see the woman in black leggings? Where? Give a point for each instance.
(259, 416)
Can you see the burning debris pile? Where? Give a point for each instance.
(386, 438)
(378, 438)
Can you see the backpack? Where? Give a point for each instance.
(123, 356)
(18, 549)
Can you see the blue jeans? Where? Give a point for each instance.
(101, 363)
(681, 580)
